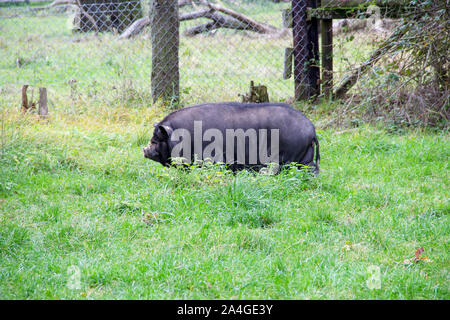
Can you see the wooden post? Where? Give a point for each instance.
(24, 98)
(313, 52)
(327, 57)
(165, 43)
(257, 94)
(287, 73)
(305, 50)
(43, 110)
(300, 54)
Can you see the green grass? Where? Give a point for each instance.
(76, 191)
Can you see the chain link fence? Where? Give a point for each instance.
(101, 51)
(90, 52)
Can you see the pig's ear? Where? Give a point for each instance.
(166, 131)
(155, 124)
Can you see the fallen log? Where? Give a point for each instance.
(253, 25)
(135, 28)
(218, 21)
(229, 19)
(194, 15)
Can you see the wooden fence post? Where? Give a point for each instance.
(313, 52)
(300, 55)
(287, 72)
(327, 57)
(305, 50)
(43, 110)
(25, 105)
(165, 43)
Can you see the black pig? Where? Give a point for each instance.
(242, 135)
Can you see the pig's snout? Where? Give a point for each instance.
(146, 151)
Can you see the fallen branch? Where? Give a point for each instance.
(229, 19)
(218, 21)
(194, 15)
(254, 25)
(54, 4)
(135, 28)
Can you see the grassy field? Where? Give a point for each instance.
(84, 216)
(76, 191)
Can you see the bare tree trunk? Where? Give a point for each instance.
(165, 43)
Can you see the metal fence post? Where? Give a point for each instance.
(165, 44)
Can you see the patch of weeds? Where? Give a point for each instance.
(247, 205)
(12, 237)
(436, 213)
(142, 137)
(51, 214)
(297, 177)
(129, 95)
(7, 186)
(376, 145)
(105, 141)
(68, 163)
(254, 218)
(125, 207)
(324, 216)
(254, 241)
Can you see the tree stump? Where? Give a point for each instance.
(29, 104)
(257, 94)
